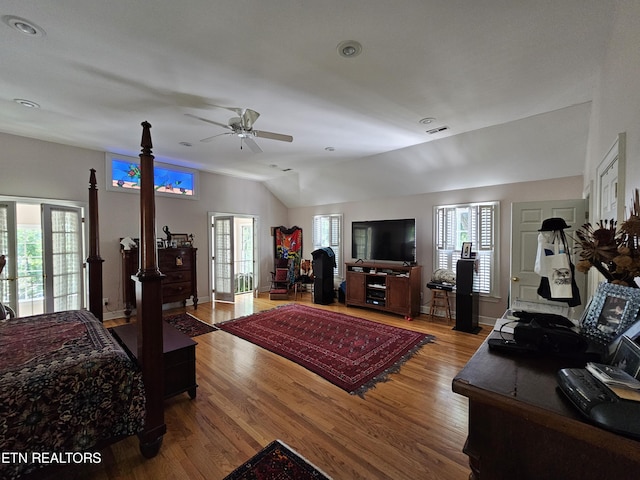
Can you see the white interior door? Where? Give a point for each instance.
(611, 182)
(223, 253)
(526, 219)
(62, 227)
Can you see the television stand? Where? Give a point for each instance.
(384, 286)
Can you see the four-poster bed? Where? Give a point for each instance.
(66, 384)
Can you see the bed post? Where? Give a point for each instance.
(149, 307)
(94, 260)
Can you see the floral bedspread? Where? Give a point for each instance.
(65, 386)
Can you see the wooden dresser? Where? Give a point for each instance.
(521, 427)
(179, 267)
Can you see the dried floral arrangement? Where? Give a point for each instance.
(614, 252)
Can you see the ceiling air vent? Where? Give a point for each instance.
(433, 131)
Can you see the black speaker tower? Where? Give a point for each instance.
(466, 299)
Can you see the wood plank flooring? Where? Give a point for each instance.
(412, 427)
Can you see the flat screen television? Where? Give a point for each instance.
(390, 240)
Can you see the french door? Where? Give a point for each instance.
(62, 228)
(43, 248)
(233, 254)
(223, 253)
(8, 286)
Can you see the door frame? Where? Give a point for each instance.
(256, 248)
(617, 151)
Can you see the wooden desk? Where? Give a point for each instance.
(521, 427)
(179, 356)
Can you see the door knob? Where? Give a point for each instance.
(515, 279)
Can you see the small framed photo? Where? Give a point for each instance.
(179, 239)
(159, 243)
(466, 250)
(627, 356)
(613, 309)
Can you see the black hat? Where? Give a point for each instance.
(551, 224)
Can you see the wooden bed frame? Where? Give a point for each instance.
(56, 355)
(148, 296)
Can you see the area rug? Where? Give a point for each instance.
(188, 324)
(350, 352)
(277, 461)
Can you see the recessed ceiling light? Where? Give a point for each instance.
(26, 103)
(426, 120)
(23, 26)
(349, 49)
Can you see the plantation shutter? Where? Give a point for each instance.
(440, 228)
(327, 232)
(474, 223)
(485, 233)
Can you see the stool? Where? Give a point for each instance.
(440, 301)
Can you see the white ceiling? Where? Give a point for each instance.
(513, 79)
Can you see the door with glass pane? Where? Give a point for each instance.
(223, 255)
(8, 286)
(62, 228)
(243, 263)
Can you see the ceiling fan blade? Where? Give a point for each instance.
(273, 136)
(249, 117)
(208, 139)
(251, 143)
(209, 121)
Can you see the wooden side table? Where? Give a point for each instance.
(179, 356)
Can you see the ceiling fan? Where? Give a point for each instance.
(242, 126)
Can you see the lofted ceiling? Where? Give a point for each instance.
(511, 79)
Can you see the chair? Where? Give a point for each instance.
(305, 279)
(280, 281)
(440, 299)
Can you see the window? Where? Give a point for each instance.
(327, 232)
(476, 223)
(123, 175)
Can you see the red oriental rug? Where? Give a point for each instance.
(188, 324)
(277, 461)
(350, 352)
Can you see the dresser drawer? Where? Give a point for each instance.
(171, 258)
(176, 289)
(176, 276)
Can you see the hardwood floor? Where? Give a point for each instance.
(411, 427)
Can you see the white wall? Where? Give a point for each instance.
(33, 168)
(420, 207)
(616, 104)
